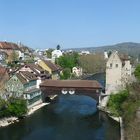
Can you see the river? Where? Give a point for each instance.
(100, 77)
(70, 118)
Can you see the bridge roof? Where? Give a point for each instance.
(72, 84)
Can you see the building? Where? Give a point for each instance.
(105, 55)
(3, 58)
(56, 54)
(54, 70)
(77, 71)
(4, 77)
(38, 71)
(9, 48)
(23, 84)
(118, 72)
(84, 52)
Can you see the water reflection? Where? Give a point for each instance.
(71, 118)
(75, 106)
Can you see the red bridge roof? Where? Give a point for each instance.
(72, 84)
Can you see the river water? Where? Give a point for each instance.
(70, 118)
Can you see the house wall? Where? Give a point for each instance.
(14, 87)
(126, 73)
(38, 83)
(117, 74)
(30, 85)
(44, 66)
(77, 71)
(33, 98)
(113, 73)
(55, 76)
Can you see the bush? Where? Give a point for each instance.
(13, 107)
(68, 60)
(17, 107)
(66, 74)
(137, 72)
(115, 102)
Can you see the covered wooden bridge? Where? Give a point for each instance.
(78, 87)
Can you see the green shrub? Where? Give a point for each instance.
(17, 107)
(12, 107)
(115, 102)
(66, 74)
(137, 72)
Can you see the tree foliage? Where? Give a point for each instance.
(68, 60)
(49, 53)
(58, 47)
(66, 74)
(92, 63)
(137, 72)
(13, 57)
(126, 104)
(115, 102)
(13, 107)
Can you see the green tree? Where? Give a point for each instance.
(58, 47)
(68, 60)
(137, 72)
(17, 107)
(13, 107)
(13, 57)
(92, 63)
(115, 102)
(66, 74)
(109, 53)
(49, 53)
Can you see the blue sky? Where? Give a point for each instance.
(70, 23)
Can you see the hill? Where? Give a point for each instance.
(130, 48)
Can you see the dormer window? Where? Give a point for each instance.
(110, 65)
(116, 65)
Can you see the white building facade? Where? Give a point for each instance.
(77, 71)
(118, 72)
(56, 54)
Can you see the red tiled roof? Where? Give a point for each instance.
(34, 66)
(25, 76)
(124, 57)
(9, 45)
(51, 65)
(3, 74)
(71, 84)
(38, 70)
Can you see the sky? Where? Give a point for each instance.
(71, 23)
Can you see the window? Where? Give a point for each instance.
(110, 65)
(116, 65)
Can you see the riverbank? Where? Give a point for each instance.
(109, 113)
(35, 108)
(118, 119)
(7, 121)
(10, 120)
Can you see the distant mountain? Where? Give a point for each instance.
(130, 48)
